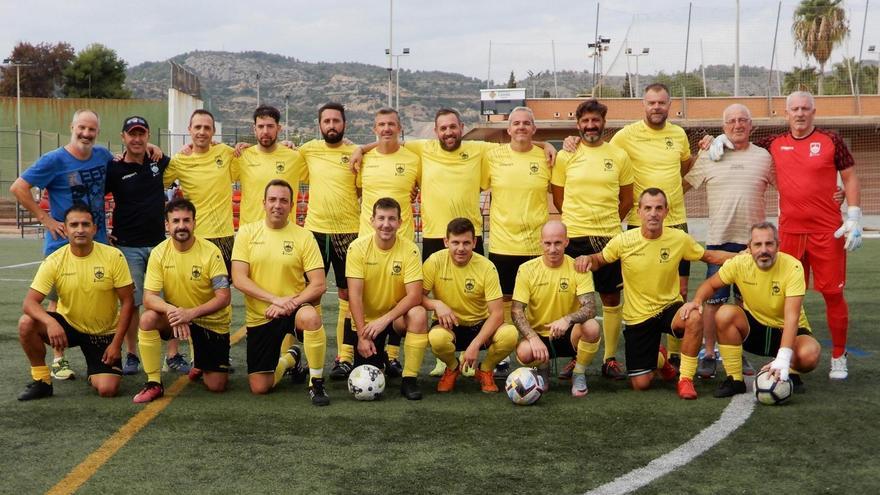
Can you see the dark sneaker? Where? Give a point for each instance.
(707, 367)
(613, 369)
(37, 389)
(341, 370)
(502, 369)
(730, 387)
(393, 369)
(178, 364)
(298, 373)
(567, 371)
(317, 393)
(409, 388)
(132, 363)
(149, 393)
(797, 384)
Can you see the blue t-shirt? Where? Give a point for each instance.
(70, 180)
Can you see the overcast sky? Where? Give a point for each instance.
(450, 35)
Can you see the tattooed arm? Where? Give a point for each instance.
(528, 334)
(586, 311)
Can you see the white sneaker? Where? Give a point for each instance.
(838, 368)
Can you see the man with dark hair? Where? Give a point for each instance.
(468, 309)
(385, 288)
(92, 282)
(190, 273)
(593, 188)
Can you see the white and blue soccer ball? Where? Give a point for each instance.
(366, 382)
(524, 387)
(771, 392)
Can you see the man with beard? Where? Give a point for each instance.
(333, 214)
(190, 273)
(773, 322)
(592, 187)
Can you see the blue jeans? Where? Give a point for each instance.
(137, 258)
(723, 294)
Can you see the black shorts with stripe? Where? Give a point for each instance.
(763, 340)
(92, 347)
(264, 342)
(333, 249)
(609, 278)
(642, 340)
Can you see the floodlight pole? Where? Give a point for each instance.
(18, 65)
(390, 47)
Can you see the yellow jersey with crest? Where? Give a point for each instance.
(550, 293)
(333, 197)
(392, 175)
(466, 289)
(206, 180)
(255, 168)
(385, 272)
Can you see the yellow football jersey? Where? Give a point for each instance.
(656, 162)
(465, 289)
(188, 279)
(450, 184)
(333, 198)
(254, 169)
(764, 291)
(278, 260)
(393, 175)
(86, 286)
(592, 178)
(385, 273)
(650, 269)
(206, 180)
(519, 183)
(550, 293)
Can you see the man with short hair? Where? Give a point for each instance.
(206, 179)
(554, 308)
(735, 188)
(650, 257)
(190, 273)
(592, 187)
(385, 289)
(773, 322)
(90, 280)
(271, 261)
(467, 306)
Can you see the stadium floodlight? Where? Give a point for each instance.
(396, 57)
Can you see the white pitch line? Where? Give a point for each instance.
(734, 415)
(15, 280)
(21, 265)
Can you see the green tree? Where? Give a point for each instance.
(42, 76)
(511, 81)
(800, 79)
(819, 26)
(626, 91)
(96, 72)
(680, 83)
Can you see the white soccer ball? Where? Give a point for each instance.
(524, 387)
(769, 391)
(366, 382)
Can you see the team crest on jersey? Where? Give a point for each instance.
(279, 167)
(563, 284)
(775, 289)
(344, 159)
(219, 162)
(399, 169)
(464, 156)
(154, 168)
(99, 273)
(288, 247)
(196, 272)
(469, 285)
(664, 255)
(609, 165)
(533, 168)
(396, 267)
(669, 143)
(815, 148)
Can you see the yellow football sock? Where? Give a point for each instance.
(315, 346)
(503, 343)
(507, 317)
(41, 373)
(346, 351)
(340, 323)
(442, 346)
(287, 342)
(585, 353)
(732, 357)
(611, 319)
(660, 360)
(416, 344)
(285, 362)
(688, 367)
(150, 348)
(673, 345)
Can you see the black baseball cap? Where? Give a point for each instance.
(135, 122)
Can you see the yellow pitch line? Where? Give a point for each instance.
(87, 468)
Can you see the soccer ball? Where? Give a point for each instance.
(524, 387)
(769, 391)
(366, 382)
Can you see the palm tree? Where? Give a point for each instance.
(800, 79)
(819, 26)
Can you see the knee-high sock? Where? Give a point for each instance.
(837, 316)
(346, 351)
(611, 320)
(285, 362)
(688, 367)
(585, 353)
(732, 357)
(507, 317)
(673, 345)
(287, 342)
(340, 324)
(315, 347)
(442, 346)
(41, 373)
(503, 343)
(415, 345)
(150, 348)
(393, 347)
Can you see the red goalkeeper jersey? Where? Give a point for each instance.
(806, 176)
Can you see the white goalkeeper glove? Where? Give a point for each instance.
(779, 366)
(716, 149)
(851, 228)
